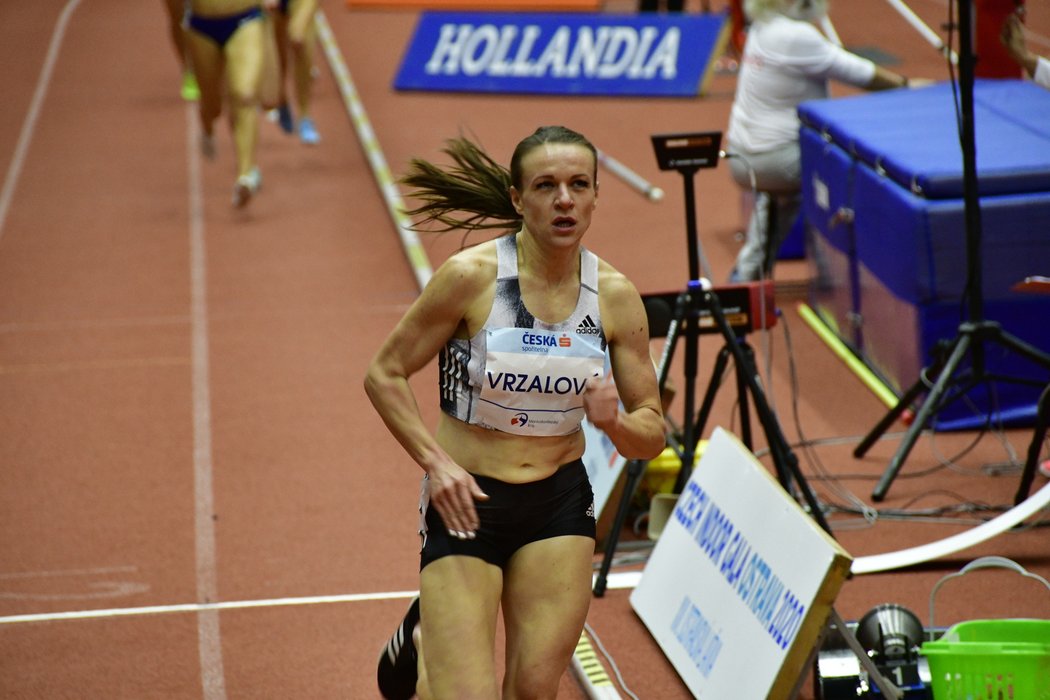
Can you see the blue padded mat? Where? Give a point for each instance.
(890, 277)
(912, 135)
(918, 247)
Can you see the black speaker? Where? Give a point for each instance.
(891, 635)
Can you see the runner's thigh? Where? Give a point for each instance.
(459, 603)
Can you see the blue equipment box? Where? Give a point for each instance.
(883, 202)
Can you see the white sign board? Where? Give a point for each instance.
(740, 583)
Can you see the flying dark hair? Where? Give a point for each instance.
(474, 192)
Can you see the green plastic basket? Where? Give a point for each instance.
(991, 660)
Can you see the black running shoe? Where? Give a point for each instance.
(398, 670)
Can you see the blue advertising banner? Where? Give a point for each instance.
(646, 54)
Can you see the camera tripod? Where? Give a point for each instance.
(975, 334)
(688, 153)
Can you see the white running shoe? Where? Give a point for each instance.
(246, 187)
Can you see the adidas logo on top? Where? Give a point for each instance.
(587, 326)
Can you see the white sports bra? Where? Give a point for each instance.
(519, 374)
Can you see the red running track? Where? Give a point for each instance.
(197, 500)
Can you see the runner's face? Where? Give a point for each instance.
(558, 192)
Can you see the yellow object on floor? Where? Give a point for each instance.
(662, 471)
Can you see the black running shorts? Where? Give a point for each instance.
(517, 514)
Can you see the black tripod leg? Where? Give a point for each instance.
(909, 398)
(906, 401)
(741, 392)
(783, 458)
(1024, 349)
(689, 437)
(791, 461)
(635, 470)
(712, 389)
(1041, 419)
(962, 344)
(688, 452)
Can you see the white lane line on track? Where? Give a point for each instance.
(14, 169)
(208, 621)
(414, 251)
(209, 640)
(617, 580)
(207, 607)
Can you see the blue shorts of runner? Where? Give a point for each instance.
(516, 515)
(220, 29)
